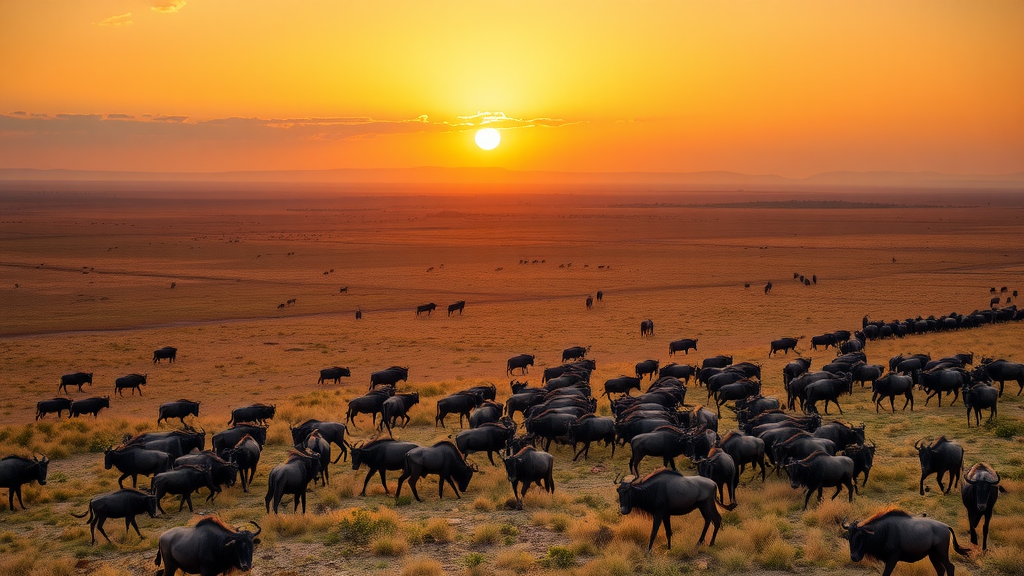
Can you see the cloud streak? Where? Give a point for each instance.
(119, 20)
(169, 6)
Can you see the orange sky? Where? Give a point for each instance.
(783, 87)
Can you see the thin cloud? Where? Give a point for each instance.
(169, 6)
(119, 20)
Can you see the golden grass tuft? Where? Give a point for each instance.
(438, 530)
(633, 529)
(1004, 560)
(518, 561)
(486, 534)
(778, 555)
(389, 546)
(421, 566)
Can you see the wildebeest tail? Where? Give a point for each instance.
(157, 560)
(730, 507)
(956, 545)
(84, 514)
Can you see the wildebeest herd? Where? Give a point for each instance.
(774, 436)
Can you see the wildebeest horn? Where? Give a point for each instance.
(993, 482)
(843, 523)
(617, 478)
(917, 445)
(258, 528)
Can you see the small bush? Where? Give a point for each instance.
(360, 526)
(438, 530)
(1006, 428)
(389, 546)
(487, 534)
(422, 567)
(518, 561)
(778, 555)
(473, 559)
(559, 557)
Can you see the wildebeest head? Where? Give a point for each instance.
(42, 466)
(512, 466)
(925, 454)
(984, 481)
(149, 501)
(858, 537)
(463, 474)
(357, 455)
(241, 546)
(795, 469)
(108, 458)
(627, 489)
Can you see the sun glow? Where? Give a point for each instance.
(488, 138)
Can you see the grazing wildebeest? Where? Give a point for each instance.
(208, 548)
(977, 398)
(332, 432)
(530, 466)
(380, 456)
(979, 493)
(170, 353)
(292, 477)
(315, 444)
(428, 308)
(133, 460)
(647, 328)
(182, 482)
(892, 385)
(58, 405)
(125, 503)
(89, 406)
(246, 455)
(647, 368)
(941, 457)
(370, 403)
(590, 428)
(522, 361)
(574, 353)
(133, 381)
(590, 302)
(485, 413)
(460, 403)
(175, 443)
(222, 472)
(258, 413)
(819, 471)
(443, 459)
(665, 493)
(16, 470)
(863, 456)
(719, 467)
(335, 373)
(684, 345)
(389, 376)
(460, 305)
(892, 536)
(75, 379)
(397, 407)
(178, 409)
(490, 438)
(795, 369)
(783, 344)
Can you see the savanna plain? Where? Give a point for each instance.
(96, 282)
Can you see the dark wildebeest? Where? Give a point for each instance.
(428, 308)
(892, 385)
(490, 437)
(89, 406)
(459, 403)
(665, 441)
(223, 473)
(175, 442)
(133, 381)
(819, 471)
(369, 403)
(719, 467)
(574, 353)
(134, 460)
(647, 328)
(335, 373)
(332, 432)
(392, 376)
(460, 305)
(125, 503)
(842, 434)
(799, 446)
(767, 288)
(590, 302)
(681, 371)
(246, 455)
(827, 390)
(182, 482)
(736, 391)
(600, 295)
(258, 413)
(1001, 371)
(979, 493)
(15, 471)
(720, 361)
(665, 493)
(825, 340)
(292, 477)
(397, 407)
(58, 405)
(590, 428)
(169, 353)
(522, 361)
(892, 536)
(940, 381)
(227, 439)
(443, 459)
(529, 466)
(941, 457)
(178, 409)
(977, 398)
(208, 548)
(647, 368)
(485, 413)
(75, 379)
(380, 456)
(315, 444)
(745, 450)
(864, 373)
(684, 346)
(620, 385)
(795, 369)
(863, 457)
(784, 345)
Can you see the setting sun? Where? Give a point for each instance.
(488, 138)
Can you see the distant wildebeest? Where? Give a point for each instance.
(590, 428)
(459, 403)
(125, 503)
(134, 460)
(443, 459)
(359, 314)
(170, 353)
(600, 295)
(819, 471)
(681, 371)
(941, 457)
(210, 547)
(893, 536)
(977, 398)
(529, 466)
(257, 413)
(621, 385)
(15, 471)
(397, 407)
(182, 482)
(647, 328)
(75, 379)
(979, 493)
(335, 373)
(392, 375)
(89, 406)
(380, 456)
(590, 302)
(522, 361)
(133, 381)
(994, 302)
(292, 477)
(343, 290)
(58, 405)
(647, 368)
(826, 340)
(460, 305)
(370, 403)
(684, 345)
(666, 493)
(767, 287)
(574, 353)
(784, 345)
(428, 308)
(178, 409)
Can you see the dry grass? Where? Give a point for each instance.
(420, 566)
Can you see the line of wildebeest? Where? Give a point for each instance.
(656, 422)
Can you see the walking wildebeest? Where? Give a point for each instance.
(767, 287)
(256, 413)
(460, 403)
(428, 308)
(15, 471)
(647, 328)
(941, 457)
(332, 432)
(647, 368)
(133, 460)
(380, 456)
(389, 376)
(620, 385)
(222, 472)
(75, 379)
(133, 381)
(370, 403)
(292, 477)
(89, 406)
(819, 471)
(460, 305)
(522, 361)
(979, 493)
(684, 346)
(530, 466)
(681, 371)
(208, 548)
(170, 353)
(665, 493)
(443, 459)
(397, 407)
(227, 439)
(315, 444)
(745, 450)
(574, 353)
(590, 428)
(892, 536)
(182, 482)
(795, 369)
(977, 398)
(125, 503)
(1001, 371)
(783, 344)
(863, 457)
(719, 467)
(178, 409)
(246, 455)
(58, 405)
(590, 302)
(892, 385)
(335, 373)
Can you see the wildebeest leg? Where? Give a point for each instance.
(547, 447)
(837, 406)
(671, 462)
(454, 487)
(941, 562)
(412, 486)
(303, 496)
(654, 532)
(490, 456)
(580, 452)
(97, 522)
(401, 479)
(984, 530)
(808, 497)
(187, 498)
(972, 520)
(135, 525)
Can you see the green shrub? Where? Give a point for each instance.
(473, 559)
(559, 557)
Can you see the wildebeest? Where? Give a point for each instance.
(370, 403)
(332, 432)
(745, 450)
(863, 456)
(380, 456)
(799, 446)
(529, 466)
(668, 442)
(864, 373)
(392, 375)
(841, 433)
(133, 460)
(979, 493)
(977, 398)
(208, 548)
(222, 472)
(16, 470)
(315, 444)
(74, 379)
(58, 405)
(937, 382)
(684, 346)
(258, 413)
(647, 328)
(784, 345)
(460, 306)
(175, 442)
(647, 368)
(182, 481)
(890, 386)
(600, 294)
(1001, 371)
(620, 385)
(490, 438)
(178, 409)
(665, 493)
(590, 302)
(736, 391)
(227, 439)
(826, 340)
(795, 369)
(460, 403)
(169, 353)
(719, 467)
(292, 477)
(443, 459)
(590, 428)
(681, 371)
(428, 308)
(941, 457)
(574, 353)
(819, 471)
(397, 407)
(827, 390)
(335, 373)
(125, 503)
(133, 381)
(720, 361)
(246, 455)
(892, 536)
(522, 361)
(767, 288)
